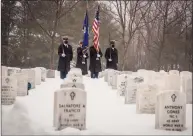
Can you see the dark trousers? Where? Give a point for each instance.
(63, 74)
(94, 74)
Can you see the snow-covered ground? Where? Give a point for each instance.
(106, 113)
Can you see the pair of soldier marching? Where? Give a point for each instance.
(66, 54)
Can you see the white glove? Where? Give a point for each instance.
(83, 62)
(110, 59)
(84, 56)
(63, 55)
(98, 55)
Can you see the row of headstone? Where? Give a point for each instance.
(16, 82)
(70, 102)
(164, 94)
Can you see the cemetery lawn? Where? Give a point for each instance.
(106, 113)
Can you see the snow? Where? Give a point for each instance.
(106, 113)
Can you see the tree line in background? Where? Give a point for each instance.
(150, 35)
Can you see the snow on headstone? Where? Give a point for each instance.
(121, 84)
(131, 89)
(146, 98)
(171, 111)
(114, 80)
(38, 75)
(175, 72)
(186, 85)
(172, 82)
(75, 72)
(162, 71)
(31, 76)
(8, 90)
(70, 108)
(22, 84)
(4, 71)
(69, 84)
(50, 73)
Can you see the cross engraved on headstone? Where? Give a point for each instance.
(72, 95)
(173, 97)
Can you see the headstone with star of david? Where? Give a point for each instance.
(70, 84)
(146, 98)
(22, 84)
(122, 84)
(131, 89)
(31, 76)
(8, 90)
(170, 111)
(70, 108)
(4, 71)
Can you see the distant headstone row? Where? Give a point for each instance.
(70, 102)
(17, 81)
(164, 94)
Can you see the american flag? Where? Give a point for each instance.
(95, 29)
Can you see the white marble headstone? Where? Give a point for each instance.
(74, 78)
(43, 74)
(171, 111)
(172, 82)
(4, 71)
(75, 72)
(146, 98)
(186, 85)
(175, 72)
(31, 76)
(110, 77)
(114, 80)
(8, 90)
(70, 108)
(131, 89)
(50, 73)
(122, 84)
(22, 84)
(38, 75)
(11, 71)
